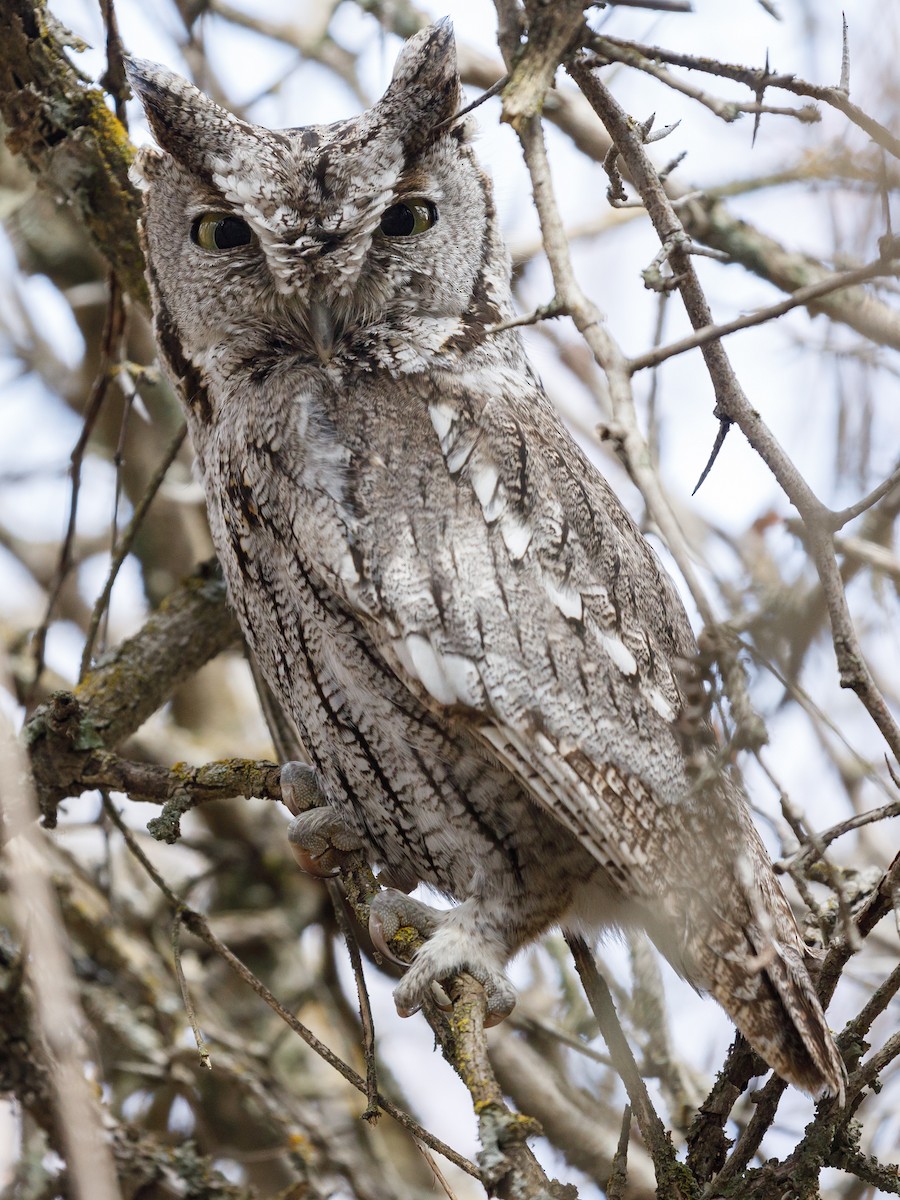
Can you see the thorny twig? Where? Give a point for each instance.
(609, 50)
(759, 80)
(732, 405)
(798, 299)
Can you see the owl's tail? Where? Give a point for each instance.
(764, 986)
(746, 949)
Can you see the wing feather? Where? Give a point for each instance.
(515, 595)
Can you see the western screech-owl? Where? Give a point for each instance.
(477, 645)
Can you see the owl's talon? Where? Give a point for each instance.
(422, 977)
(320, 842)
(440, 997)
(450, 948)
(500, 1011)
(312, 864)
(380, 941)
(392, 911)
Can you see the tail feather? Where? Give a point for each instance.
(762, 982)
(784, 1022)
(740, 942)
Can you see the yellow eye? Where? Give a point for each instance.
(220, 231)
(409, 218)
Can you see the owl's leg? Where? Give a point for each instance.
(320, 841)
(457, 940)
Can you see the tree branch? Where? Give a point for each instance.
(71, 141)
(65, 735)
(733, 405)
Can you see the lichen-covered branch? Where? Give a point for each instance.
(67, 735)
(66, 133)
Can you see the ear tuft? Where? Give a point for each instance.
(424, 91)
(203, 137)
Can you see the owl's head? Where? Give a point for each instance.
(330, 237)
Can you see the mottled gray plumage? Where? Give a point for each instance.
(477, 645)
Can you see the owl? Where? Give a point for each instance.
(477, 645)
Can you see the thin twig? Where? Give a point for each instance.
(202, 1048)
(609, 50)
(845, 515)
(362, 992)
(652, 1129)
(438, 1174)
(759, 80)
(123, 549)
(806, 835)
(767, 1101)
(618, 1176)
(811, 852)
(860, 1025)
(114, 81)
(110, 343)
(543, 312)
(759, 316)
(672, 6)
(868, 1072)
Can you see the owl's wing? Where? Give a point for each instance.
(516, 595)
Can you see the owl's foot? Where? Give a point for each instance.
(391, 911)
(319, 839)
(450, 948)
(321, 842)
(300, 788)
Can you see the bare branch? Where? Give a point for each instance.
(732, 404)
(800, 298)
(758, 81)
(58, 1013)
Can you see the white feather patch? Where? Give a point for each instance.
(462, 676)
(566, 599)
(657, 701)
(460, 454)
(442, 418)
(544, 744)
(485, 479)
(428, 668)
(400, 648)
(620, 654)
(517, 536)
(347, 569)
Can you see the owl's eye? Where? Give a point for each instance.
(220, 231)
(409, 218)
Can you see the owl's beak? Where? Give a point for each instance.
(321, 328)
